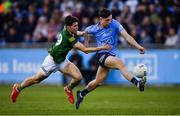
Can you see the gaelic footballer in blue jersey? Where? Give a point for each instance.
(107, 31)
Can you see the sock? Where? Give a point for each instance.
(135, 81)
(72, 85)
(84, 92)
(20, 88)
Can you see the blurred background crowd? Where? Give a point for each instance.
(34, 21)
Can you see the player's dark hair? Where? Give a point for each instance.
(104, 13)
(69, 20)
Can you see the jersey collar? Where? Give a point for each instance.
(68, 32)
(98, 24)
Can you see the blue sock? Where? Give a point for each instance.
(84, 92)
(134, 81)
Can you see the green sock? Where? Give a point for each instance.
(20, 88)
(72, 85)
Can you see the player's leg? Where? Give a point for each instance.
(114, 62)
(100, 77)
(47, 67)
(71, 70)
(35, 79)
(38, 77)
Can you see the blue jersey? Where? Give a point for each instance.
(107, 35)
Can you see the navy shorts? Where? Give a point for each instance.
(101, 57)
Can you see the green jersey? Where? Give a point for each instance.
(65, 42)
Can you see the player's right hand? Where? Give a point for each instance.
(142, 50)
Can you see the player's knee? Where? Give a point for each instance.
(98, 82)
(121, 65)
(78, 77)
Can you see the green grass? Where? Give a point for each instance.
(51, 100)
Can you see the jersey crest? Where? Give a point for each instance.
(71, 39)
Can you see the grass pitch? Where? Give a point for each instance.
(115, 100)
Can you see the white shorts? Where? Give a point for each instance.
(49, 66)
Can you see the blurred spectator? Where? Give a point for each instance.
(51, 30)
(126, 14)
(133, 32)
(116, 4)
(85, 23)
(32, 11)
(156, 17)
(30, 24)
(91, 13)
(66, 4)
(19, 26)
(57, 4)
(79, 11)
(57, 17)
(145, 38)
(116, 7)
(159, 38)
(67, 12)
(132, 5)
(46, 12)
(169, 23)
(153, 14)
(40, 32)
(148, 27)
(8, 19)
(1, 8)
(172, 37)
(12, 36)
(140, 13)
(159, 25)
(27, 39)
(5, 6)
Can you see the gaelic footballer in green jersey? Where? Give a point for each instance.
(56, 60)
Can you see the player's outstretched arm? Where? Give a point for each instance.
(80, 33)
(85, 34)
(131, 40)
(85, 49)
(86, 39)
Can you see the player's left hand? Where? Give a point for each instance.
(142, 50)
(107, 47)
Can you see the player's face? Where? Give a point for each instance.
(105, 21)
(73, 28)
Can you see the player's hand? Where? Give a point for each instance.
(106, 47)
(142, 50)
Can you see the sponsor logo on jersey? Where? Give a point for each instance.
(71, 39)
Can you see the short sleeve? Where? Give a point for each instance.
(72, 40)
(90, 29)
(119, 27)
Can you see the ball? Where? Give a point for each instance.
(140, 70)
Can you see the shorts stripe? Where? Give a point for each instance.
(46, 72)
